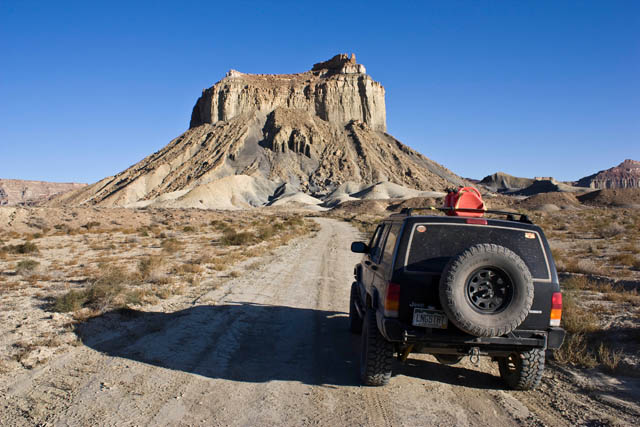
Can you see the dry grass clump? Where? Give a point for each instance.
(610, 291)
(608, 231)
(586, 344)
(171, 245)
(187, 268)
(609, 359)
(91, 225)
(232, 238)
(26, 266)
(623, 259)
(149, 267)
(23, 248)
(583, 266)
(102, 293)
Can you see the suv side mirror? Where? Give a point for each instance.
(359, 247)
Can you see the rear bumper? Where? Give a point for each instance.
(397, 331)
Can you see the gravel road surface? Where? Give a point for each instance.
(270, 347)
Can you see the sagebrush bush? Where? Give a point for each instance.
(232, 238)
(149, 266)
(611, 230)
(24, 248)
(26, 266)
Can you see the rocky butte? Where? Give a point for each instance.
(255, 138)
(625, 175)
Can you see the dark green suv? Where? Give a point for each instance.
(454, 286)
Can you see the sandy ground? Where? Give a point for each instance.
(272, 347)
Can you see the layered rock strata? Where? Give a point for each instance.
(625, 175)
(22, 192)
(313, 131)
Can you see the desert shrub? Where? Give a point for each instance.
(609, 359)
(101, 295)
(623, 259)
(575, 351)
(91, 224)
(188, 229)
(266, 232)
(294, 221)
(26, 266)
(575, 319)
(232, 238)
(70, 301)
(24, 248)
(171, 245)
(611, 230)
(623, 296)
(148, 267)
(584, 266)
(187, 268)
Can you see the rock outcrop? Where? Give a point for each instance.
(21, 192)
(336, 91)
(502, 182)
(313, 131)
(625, 175)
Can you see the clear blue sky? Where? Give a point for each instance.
(526, 87)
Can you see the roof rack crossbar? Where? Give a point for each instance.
(510, 215)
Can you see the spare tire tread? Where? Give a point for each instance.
(452, 270)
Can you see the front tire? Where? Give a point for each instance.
(355, 321)
(522, 371)
(376, 354)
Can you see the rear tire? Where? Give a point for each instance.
(522, 371)
(376, 354)
(355, 321)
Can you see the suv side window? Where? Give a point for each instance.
(376, 236)
(390, 245)
(376, 248)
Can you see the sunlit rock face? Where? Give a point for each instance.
(252, 133)
(625, 175)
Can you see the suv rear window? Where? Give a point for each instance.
(430, 249)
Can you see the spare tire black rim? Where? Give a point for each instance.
(489, 290)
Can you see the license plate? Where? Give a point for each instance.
(429, 318)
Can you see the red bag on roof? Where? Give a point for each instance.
(464, 198)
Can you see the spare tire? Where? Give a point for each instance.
(486, 290)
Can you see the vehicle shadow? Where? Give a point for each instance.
(454, 375)
(250, 342)
(236, 341)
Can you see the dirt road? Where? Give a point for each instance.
(270, 347)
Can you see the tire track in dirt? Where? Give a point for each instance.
(271, 347)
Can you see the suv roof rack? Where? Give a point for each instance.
(511, 216)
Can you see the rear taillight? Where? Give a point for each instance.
(556, 309)
(392, 300)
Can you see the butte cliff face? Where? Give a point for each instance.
(336, 91)
(250, 134)
(625, 175)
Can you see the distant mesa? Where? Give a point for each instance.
(252, 134)
(625, 175)
(501, 182)
(22, 192)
